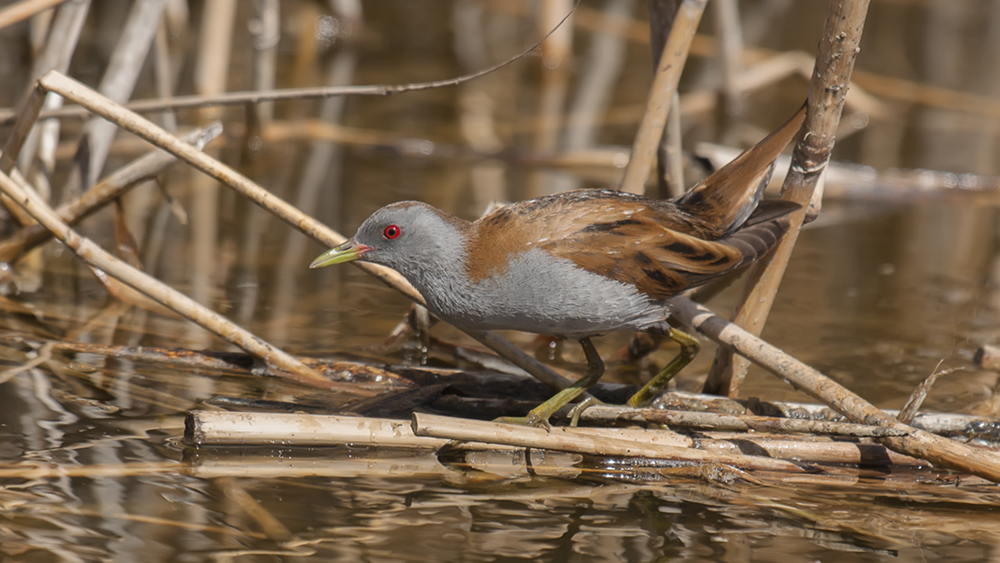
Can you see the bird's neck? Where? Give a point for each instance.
(439, 274)
(442, 273)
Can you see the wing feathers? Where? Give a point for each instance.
(661, 247)
(661, 261)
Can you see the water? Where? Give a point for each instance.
(876, 296)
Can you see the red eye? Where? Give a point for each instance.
(391, 232)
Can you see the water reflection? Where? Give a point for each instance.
(392, 506)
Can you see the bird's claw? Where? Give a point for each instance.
(574, 415)
(534, 421)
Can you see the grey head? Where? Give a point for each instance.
(417, 240)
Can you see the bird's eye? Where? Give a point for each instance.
(391, 232)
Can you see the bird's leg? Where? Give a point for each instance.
(689, 349)
(540, 415)
(595, 369)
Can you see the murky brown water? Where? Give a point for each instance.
(876, 296)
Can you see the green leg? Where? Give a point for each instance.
(540, 415)
(689, 349)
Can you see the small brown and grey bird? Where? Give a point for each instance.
(581, 263)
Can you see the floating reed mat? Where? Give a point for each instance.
(758, 451)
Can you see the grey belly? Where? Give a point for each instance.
(542, 295)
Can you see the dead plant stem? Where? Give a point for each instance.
(918, 443)
(95, 256)
(827, 92)
(668, 75)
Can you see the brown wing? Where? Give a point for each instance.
(661, 261)
(658, 260)
(551, 221)
(624, 237)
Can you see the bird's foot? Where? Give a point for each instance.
(574, 415)
(537, 421)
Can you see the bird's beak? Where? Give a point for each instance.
(346, 252)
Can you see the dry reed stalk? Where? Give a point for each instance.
(63, 35)
(669, 156)
(221, 428)
(916, 399)
(671, 151)
(115, 185)
(15, 142)
(129, 121)
(668, 74)
(96, 257)
(967, 426)
(119, 79)
(210, 78)
(918, 443)
(838, 50)
(717, 421)
(730, 37)
(516, 356)
(23, 10)
(846, 453)
(609, 441)
(557, 53)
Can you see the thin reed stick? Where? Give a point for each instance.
(96, 257)
(115, 185)
(827, 93)
(668, 75)
(23, 10)
(627, 442)
(918, 443)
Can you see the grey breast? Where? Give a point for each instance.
(543, 294)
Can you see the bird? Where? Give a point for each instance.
(582, 263)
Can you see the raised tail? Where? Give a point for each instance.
(727, 198)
